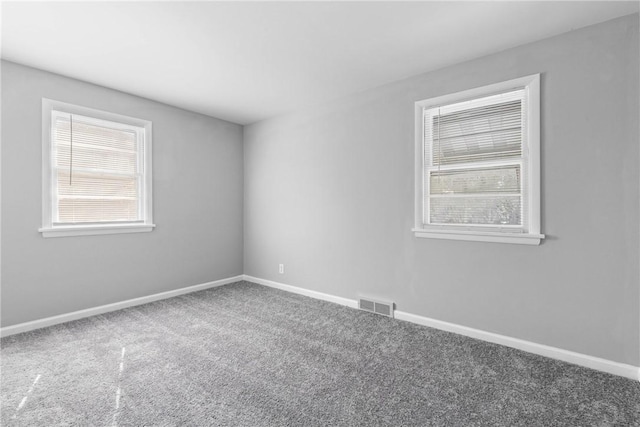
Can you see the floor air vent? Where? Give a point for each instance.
(377, 307)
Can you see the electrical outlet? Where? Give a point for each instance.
(281, 269)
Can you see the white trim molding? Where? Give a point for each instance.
(526, 233)
(481, 236)
(143, 131)
(599, 364)
(301, 291)
(83, 230)
(80, 314)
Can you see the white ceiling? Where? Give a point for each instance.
(247, 61)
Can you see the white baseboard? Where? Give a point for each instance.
(62, 318)
(296, 290)
(604, 365)
(599, 364)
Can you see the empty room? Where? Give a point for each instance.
(381, 213)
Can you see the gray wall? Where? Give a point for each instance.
(329, 193)
(197, 198)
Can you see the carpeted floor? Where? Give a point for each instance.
(248, 355)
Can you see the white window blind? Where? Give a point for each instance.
(474, 161)
(97, 170)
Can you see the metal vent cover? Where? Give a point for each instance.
(383, 308)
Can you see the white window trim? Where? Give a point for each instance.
(487, 234)
(48, 228)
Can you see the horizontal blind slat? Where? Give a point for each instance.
(480, 131)
(488, 132)
(90, 210)
(104, 184)
(94, 134)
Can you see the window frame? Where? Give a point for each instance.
(528, 233)
(51, 229)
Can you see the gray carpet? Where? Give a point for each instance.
(247, 355)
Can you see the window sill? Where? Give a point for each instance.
(481, 236)
(92, 230)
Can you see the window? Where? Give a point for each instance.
(96, 172)
(478, 164)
